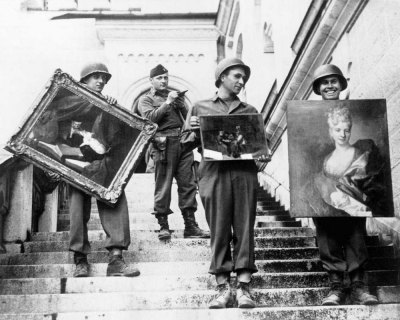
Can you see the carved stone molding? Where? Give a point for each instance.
(141, 32)
(160, 58)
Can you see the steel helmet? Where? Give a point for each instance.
(228, 63)
(328, 70)
(96, 67)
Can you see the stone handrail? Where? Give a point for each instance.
(16, 181)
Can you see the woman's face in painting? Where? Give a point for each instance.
(340, 133)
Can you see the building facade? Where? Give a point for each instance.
(131, 37)
(283, 41)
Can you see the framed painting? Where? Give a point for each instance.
(74, 132)
(233, 137)
(339, 160)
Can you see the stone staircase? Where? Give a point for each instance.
(174, 283)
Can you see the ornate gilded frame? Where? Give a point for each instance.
(142, 128)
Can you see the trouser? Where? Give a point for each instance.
(115, 222)
(178, 165)
(341, 243)
(228, 194)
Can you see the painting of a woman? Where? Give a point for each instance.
(351, 180)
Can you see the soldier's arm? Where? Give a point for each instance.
(148, 111)
(192, 120)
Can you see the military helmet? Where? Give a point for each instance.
(96, 67)
(327, 70)
(228, 63)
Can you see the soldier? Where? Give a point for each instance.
(228, 192)
(115, 220)
(167, 109)
(341, 240)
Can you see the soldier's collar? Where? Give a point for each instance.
(154, 92)
(216, 97)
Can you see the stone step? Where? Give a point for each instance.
(261, 201)
(158, 255)
(99, 269)
(136, 218)
(272, 212)
(271, 206)
(150, 234)
(345, 312)
(190, 282)
(152, 225)
(141, 225)
(261, 242)
(180, 268)
(283, 231)
(273, 218)
(133, 217)
(265, 199)
(262, 224)
(122, 301)
(314, 265)
(173, 254)
(312, 252)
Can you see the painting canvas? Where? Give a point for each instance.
(339, 160)
(233, 137)
(74, 132)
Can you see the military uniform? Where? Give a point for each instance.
(170, 160)
(341, 243)
(341, 240)
(228, 193)
(115, 222)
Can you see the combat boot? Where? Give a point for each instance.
(192, 229)
(165, 233)
(360, 295)
(335, 296)
(336, 293)
(224, 298)
(118, 267)
(243, 296)
(81, 265)
(359, 292)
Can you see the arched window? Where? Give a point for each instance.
(234, 20)
(268, 43)
(220, 48)
(239, 47)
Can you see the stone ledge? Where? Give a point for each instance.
(388, 226)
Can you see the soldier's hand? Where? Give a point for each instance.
(52, 176)
(194, 121)
(111, 100)
(172, 96)
(264, 158)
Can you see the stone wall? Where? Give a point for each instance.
(373, 48)
(368, 54)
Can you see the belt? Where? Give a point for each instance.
(174, 132)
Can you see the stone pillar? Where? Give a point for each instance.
(48, 219)
(18, 222)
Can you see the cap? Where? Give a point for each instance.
(158, 70)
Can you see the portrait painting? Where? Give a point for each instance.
(233, 137)
(74, 132)
(339, 160)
